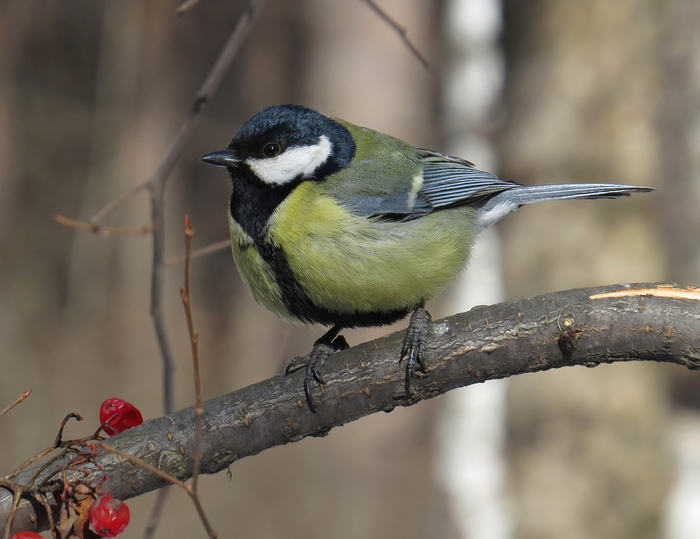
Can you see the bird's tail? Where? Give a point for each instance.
(508, 201)
(542, 193)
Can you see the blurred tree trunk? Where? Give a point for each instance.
(678, 123)
(470, 427)
(586, 449)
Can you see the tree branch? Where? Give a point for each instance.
(403, 33)
(574, 327)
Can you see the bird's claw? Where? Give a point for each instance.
(314, 362)
(414, 346)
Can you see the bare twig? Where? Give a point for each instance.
(41, 498)
(102, 230)
(218, 246)
(17, 401)
(198, 411)
(13, 512)
(59, 436)
(156, 512)
(204, 95)
(44, 466)
(403, 34)
(170, 479)
(194, 340)
(56, 444)
(82, 453)
(157, 276)
(115, 203)
(135, 460)
(186, 6)
(19, 491)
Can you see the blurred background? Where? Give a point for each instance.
(545, 91)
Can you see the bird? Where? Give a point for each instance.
(338, 225)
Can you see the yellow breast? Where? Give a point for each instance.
(346, 263)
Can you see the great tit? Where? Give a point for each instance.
(339, 225)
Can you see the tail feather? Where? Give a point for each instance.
(542, 193)
(500, 205)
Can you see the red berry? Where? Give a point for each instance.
(26, 535)
(118, 415)
(108, 516)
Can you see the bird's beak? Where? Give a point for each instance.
(223, 158)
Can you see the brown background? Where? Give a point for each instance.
(91, 95)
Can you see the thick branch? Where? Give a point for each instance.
(575, 327)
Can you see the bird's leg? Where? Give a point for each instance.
(414, 344)
(330, 342)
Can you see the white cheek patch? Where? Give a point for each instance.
(294, 162)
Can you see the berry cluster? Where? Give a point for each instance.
(84, 503)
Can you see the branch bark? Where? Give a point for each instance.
(648, 322)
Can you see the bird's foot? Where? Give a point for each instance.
(330, 343)
(414, 345)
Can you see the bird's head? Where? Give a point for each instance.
(287, 143)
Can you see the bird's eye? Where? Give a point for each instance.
(271, 149)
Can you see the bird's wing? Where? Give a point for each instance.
(451, 181)
(440, 181)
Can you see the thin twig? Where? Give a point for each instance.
(18, 491)
(170, 479)
(157, 276)
(156, 512)
(115, 203)
(403, 34)
(13, 512)
(203, 517)
(135, 460)
(41, 498)
(46, 465)
(56, 444)
(204, 95)
(77, 463)
(102, 230)
(218, 246)
(59, 436)
(31, 461)
(186, 6)
(17, 401)
(194, 340)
